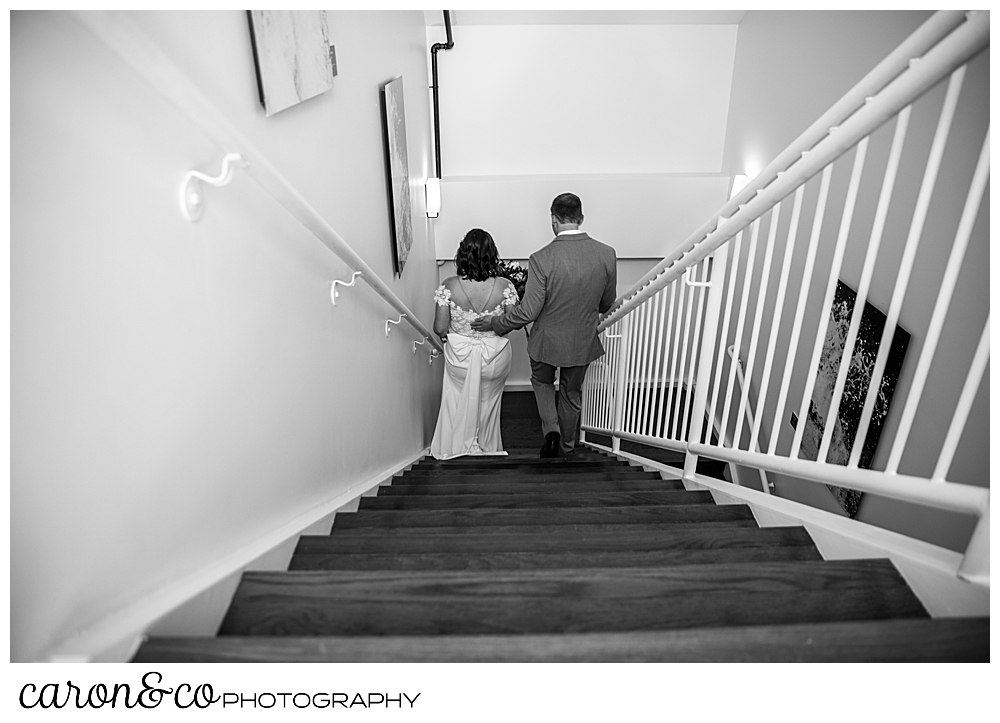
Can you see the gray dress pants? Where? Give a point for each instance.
(563, 417)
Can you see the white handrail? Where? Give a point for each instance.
(948, 284)
(945, 56)
(745, 386)
(137, 50)
(825, 141)
(925, 37)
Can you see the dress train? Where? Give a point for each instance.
(469, 421)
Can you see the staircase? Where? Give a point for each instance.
(521, 559)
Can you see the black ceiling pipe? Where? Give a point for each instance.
(434, 86)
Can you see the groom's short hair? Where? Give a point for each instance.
(567, 208)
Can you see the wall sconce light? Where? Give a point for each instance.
(432, 194)
(739, 183)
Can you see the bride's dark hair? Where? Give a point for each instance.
(477, 258)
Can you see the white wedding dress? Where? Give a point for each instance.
(476, 367)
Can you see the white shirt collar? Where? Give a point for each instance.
(571, 231)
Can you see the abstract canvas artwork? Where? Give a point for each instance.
(291, 52)
(397, 171)
(862, 364)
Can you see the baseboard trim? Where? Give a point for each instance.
(115, 637)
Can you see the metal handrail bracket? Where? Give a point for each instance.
(333, 289)
(390, 321)
(192, 200)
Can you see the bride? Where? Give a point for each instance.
(476, 362)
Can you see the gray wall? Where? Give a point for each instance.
(790, 67)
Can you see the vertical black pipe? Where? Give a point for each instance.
(434, 86)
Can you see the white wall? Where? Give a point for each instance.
(641, 216)
(572, 99)
(632, 118)
(791, 67)
(179, 390)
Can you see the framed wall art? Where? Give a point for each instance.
(859, 375)
(397, 171)
(291, 51)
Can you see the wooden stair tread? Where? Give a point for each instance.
(519, 486)
(873, 641)
(579, 600)
(526, 454)
(612, 582)
(596, 538)
(600, 471)
(508, 461)
(632, 475)
(620, 515)
(521, 456)
(529, 500)
(363, 534)
(487, 463)
(481, 561)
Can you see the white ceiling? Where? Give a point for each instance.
(435, 18)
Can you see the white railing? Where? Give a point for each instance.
(667, 373)
(766, 485)
(127, 41)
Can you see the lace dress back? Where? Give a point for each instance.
(476, 365)
(461, 319)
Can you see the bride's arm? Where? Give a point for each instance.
(442, 322)
(442, 312)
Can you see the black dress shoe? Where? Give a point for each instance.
(551, 446)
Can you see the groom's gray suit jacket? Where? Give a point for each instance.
(571, 282)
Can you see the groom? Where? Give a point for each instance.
(571, 282)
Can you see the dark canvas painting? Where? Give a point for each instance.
(856, 387)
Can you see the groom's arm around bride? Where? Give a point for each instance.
(571, 282)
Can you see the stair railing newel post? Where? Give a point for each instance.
(975, 567)
(624, 342)
(713, 313)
